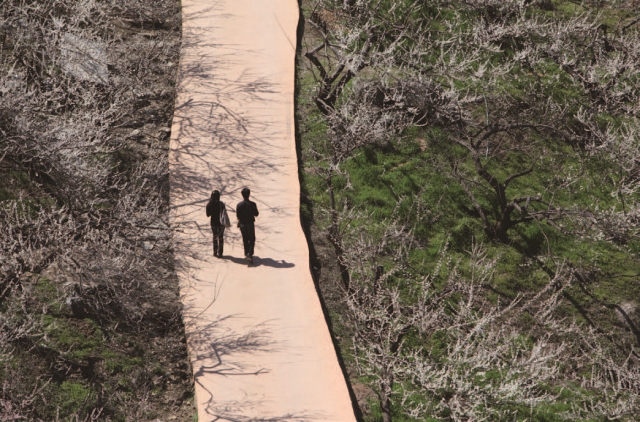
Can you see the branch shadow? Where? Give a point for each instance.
(206, 125)
(216, 343)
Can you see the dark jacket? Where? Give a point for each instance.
(246, 211)
(213, 210)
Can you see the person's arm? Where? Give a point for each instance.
(208, 209)
(255, 209)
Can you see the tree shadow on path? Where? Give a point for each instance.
(225, 349)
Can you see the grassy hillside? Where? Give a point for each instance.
(572, 257)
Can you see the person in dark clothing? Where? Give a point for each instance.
(219, 220)
(247, 211)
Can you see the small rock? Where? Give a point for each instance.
(131, 123)
(628, 314)
(84, 58)
(51, 272)
(136, 134)
(78, 307)
(28, 276)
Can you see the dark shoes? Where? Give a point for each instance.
(250, 259)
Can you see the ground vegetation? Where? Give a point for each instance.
(90, 316)
(474, 167)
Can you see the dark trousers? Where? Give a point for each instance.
(218, 240)
(248, 238)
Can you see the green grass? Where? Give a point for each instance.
(379, 178)
(82, 346)
(410, 179)
(72, 397)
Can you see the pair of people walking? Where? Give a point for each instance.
(246, 212)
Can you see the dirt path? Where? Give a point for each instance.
(258, 341)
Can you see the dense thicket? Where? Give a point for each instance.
(89, 312)
(440, 126)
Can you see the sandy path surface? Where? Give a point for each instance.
(257, 337)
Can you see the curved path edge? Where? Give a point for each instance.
(257, 337)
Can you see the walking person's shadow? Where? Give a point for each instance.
(257, 262)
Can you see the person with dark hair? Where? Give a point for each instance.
(247, 211)
(219, 221)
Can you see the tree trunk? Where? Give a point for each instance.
(335, 238)
(386, 388)
(504, 223)
(385, 407)
(499, 232)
